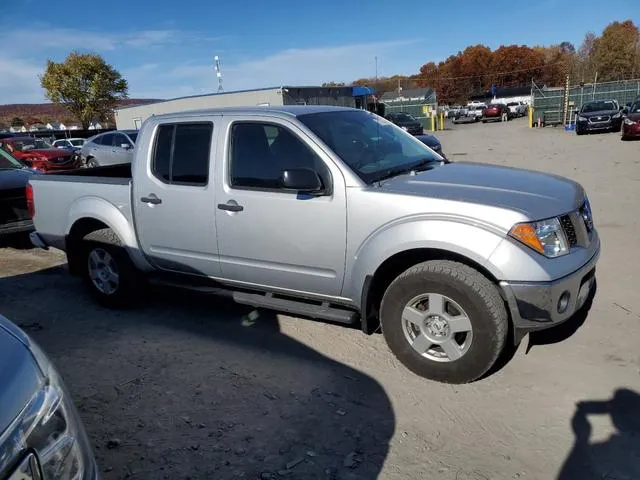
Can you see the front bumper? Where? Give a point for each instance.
(631, 131)
(535, 306)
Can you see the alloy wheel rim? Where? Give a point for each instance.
(437, 327)
(103, 271)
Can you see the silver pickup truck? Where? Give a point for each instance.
(336, 214)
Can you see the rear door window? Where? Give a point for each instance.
(181, 153)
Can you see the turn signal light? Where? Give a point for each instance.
(526, 233)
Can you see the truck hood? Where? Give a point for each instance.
(19, 376)
(534, 194)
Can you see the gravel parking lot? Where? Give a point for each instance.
(183, 388)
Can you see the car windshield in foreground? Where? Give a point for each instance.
(373, 147)
(77, 143)
(8, 162)
(598, 106)
(635, 108)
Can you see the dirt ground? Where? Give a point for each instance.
(181, 388)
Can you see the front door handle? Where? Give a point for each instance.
(230, 207)
(152, 199)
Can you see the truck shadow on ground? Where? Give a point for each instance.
(617, 457)
(184, 388)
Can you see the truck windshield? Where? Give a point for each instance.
(373, 147)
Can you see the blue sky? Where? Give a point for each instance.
(166, 48)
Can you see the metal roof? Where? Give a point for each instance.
(281, 87)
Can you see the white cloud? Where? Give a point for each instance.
(19, 82)
(168, 79)
(34, 39)
(289, 67)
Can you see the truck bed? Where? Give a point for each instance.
(61, 198)
(120, 171)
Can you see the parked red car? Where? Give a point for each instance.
(631, 123)
(38, 154)
(494, 111)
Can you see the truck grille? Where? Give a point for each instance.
(569, 230)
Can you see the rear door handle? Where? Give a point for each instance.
(152, 199)
(230, 207)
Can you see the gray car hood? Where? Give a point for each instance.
(535, 194)
(20, 377)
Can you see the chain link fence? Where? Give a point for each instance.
(549, 103)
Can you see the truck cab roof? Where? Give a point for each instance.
(287, 110)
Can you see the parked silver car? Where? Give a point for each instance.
(41, 435)
(110, 148)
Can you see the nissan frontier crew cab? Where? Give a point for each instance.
(330, 213)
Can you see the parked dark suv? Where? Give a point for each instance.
(599, 115)
(406, 122)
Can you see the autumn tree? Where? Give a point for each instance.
(85, 84)
(615, 53)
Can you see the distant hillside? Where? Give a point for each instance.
(48, 112)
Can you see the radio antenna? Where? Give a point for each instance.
(218, 73)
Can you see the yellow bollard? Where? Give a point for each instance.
(441, 120)
(530, 116)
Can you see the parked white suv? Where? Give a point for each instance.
(517, 109)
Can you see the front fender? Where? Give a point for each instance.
(473, 241)
(99, 209)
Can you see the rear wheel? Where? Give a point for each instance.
(444, 321)
(108, 271)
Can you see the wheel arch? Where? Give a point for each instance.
(377, 283)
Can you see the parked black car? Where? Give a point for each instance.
(14, 176)
(433, 143)
(406, 122)
(599, 115)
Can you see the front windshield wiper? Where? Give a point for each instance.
(422, 165)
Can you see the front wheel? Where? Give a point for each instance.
(108, 271)
(444, 321)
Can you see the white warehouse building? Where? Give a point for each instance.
(355, 96)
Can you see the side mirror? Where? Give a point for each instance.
(303, 180)
(126, 146)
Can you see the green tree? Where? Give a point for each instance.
(17, 122)
(85, 84)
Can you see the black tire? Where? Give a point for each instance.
(130, 281)
(484, 121)
(474, 293)
(579, 132)
(91, 163)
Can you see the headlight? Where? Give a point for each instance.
(617, 115)
(582, 119)
(50, 426)
(545, 237)
(628, 121)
